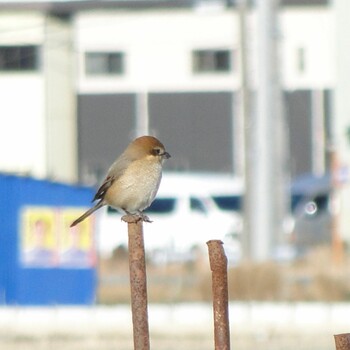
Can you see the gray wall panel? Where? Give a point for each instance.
(105, 125)
(196, 128)
(298, 115)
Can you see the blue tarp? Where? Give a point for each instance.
(36, 244)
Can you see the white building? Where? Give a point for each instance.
(74, 76)
(38, 127)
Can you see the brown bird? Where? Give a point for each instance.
(133, 179)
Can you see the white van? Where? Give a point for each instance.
(189, 210)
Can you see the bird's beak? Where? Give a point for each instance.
(166, 155)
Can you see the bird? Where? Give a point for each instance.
(132, 181)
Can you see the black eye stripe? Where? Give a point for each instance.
(156, 151)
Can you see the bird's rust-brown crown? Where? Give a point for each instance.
(145, 145)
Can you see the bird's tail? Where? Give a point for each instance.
(87, 213)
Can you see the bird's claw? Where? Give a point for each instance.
(145, 218)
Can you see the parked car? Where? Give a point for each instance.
(186, 214)
(312, 211)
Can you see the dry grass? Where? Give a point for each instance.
(316, 278)
(312, 279)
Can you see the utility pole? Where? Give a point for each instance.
(264, 152)
(142, 115)
(245, 117)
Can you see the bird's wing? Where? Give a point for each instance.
(114, 173)
(103, 188)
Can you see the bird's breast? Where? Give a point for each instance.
(137, 187)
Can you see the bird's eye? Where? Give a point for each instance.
(156, 151)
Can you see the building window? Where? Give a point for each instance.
(104, 63)
(19, 58)
(211, 61)
(300, 60)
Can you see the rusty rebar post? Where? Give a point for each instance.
(138, 284)
(218, 266)
(342, 341)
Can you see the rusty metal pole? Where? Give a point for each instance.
(342, 341)
(218, 266)
(138, 283)
(337, 244)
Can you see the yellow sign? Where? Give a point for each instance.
(39, 238)
(47, 240)
(76, 246)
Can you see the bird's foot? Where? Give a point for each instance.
(145, 218)
(135, 218)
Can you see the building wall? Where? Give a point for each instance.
(22, 108)
(37, 111)
(298, 111)
(106, 125)
(341, 125)
(158, 62)
(158, 45)
(197, 127)
(312, 31)
(60, 99)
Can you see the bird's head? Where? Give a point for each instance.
(147, 147)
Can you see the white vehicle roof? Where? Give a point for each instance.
(200, 184)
